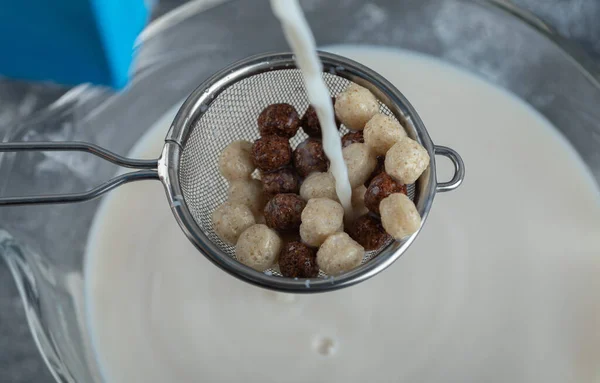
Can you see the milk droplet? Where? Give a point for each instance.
(325, 346)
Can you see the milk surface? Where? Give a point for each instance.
(502, 284)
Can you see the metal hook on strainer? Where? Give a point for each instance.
(224, 109)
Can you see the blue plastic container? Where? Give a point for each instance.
(70, 41)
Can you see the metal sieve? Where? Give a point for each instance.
(224, 109)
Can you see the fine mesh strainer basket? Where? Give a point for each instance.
(225, 109)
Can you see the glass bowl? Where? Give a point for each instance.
(44, 246)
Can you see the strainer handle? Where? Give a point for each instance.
(459, 169)
(148, 173)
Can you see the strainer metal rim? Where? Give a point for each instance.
(198, 103)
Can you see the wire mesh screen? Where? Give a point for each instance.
(233, 116)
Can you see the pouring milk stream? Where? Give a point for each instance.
(301, 39)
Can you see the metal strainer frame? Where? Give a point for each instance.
(200, 101)
(167, 167)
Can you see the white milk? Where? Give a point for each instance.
(300, 38)
(502, 284)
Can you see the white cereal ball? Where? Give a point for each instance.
(355, 106)
(249, 193)
(358, 201)
(320, 218)
(360, 161)
(258, 247)
(406, 161)
(318, 185)
(382, 132)
(399, 216)
(235, 161)
(230, 220)
(339, 254)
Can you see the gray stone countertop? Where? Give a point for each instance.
(19, 358)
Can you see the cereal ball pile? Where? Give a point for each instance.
(298, 260)
(360, 162)
(309, 157)
(321, 218)
(399, 216)
(358, 200)
(249, 193)
(380, 187)
(260, 219)
(355, 106)
(271, 153)
(380, 168)
(282, 211)
(319, 185)
(310, 122)
(369, 232)
(280, 181)
(230, 220)
(353, 138)
(290, 237)
(406, 161)
(382, 132)
(235, 161)
(339, 253)
(279, 120)
(258, 247)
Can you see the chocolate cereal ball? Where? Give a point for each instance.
(279, 120)
(380, 187)
(309, 157)
(271, 153)
(355, 106)
(283, 212)
(321, 218)
(280, 181)
(230, 220)
(235, 161)
(369, 232)
(339, 254)
(353, 138)
(382, 132)
(310, 121)
(399, 216)
(360, 162)
(258, 247)
(249, 193)
(319, 185)
(298, 260)
(406, 161)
